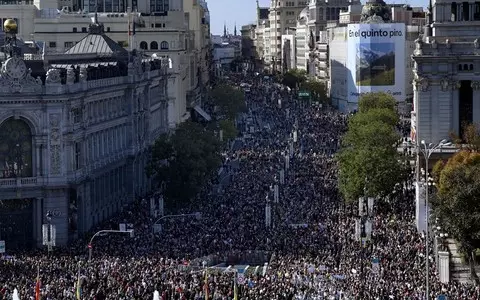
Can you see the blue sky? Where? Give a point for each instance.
(244, 12)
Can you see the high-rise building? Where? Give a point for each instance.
(262, 34)
(282, 16)
(311, 25)
(154, 7)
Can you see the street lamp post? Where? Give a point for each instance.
(90, 246)
(427, 150)
(197, 215)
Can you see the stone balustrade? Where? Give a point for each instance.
(56, 84)
(19, 182)
(447, 46)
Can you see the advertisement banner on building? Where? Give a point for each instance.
(376, 59)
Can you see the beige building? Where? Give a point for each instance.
(282, 16)
(180, 34)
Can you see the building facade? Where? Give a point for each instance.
(282, 16)
(260, 33)
(340, 73)
(446, 81)
(310, 34)
(288, 52)
(75, 138)
(248, 37)
(177, 30)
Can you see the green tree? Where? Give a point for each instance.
(317, 90)
(229, 130)
(375, 127)
(457, 202)
(369, 163)
(294, 78)
(375, 101)
(470, 139)
(229, 100)
(184, 161)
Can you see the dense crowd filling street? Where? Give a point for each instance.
(306, 251)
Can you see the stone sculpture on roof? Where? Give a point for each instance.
(375, 11)
(15, 76)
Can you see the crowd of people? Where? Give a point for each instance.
(307, 249)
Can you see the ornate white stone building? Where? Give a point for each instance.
(177, 29)
(74, 133)
(447, 82)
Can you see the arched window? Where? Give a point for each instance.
(15, 149)
(153, 45)
(143, 45)
(164, 45)
(460, 67)
(470, 67)
(465, 67)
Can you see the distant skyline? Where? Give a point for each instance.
(243, 12)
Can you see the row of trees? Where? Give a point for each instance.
(457, 199)
(298, 80)
(369, 163)
(186, 159)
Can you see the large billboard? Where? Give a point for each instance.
(376, 59)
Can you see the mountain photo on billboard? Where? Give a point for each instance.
(375, 64)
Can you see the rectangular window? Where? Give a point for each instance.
(78, 155)
(68, 45)
(52, 44)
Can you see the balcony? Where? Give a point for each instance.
(6, 183)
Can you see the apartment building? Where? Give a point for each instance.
(282, 16)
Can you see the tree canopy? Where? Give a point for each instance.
(229, 100)
(369, 163)
(228, 128)
(378, 100)
(317, 89)
(470, 138)
(457, 202)
(184, 161)
(293, 78)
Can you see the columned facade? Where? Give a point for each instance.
(446, 90)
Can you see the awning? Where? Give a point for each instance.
(203, 113)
